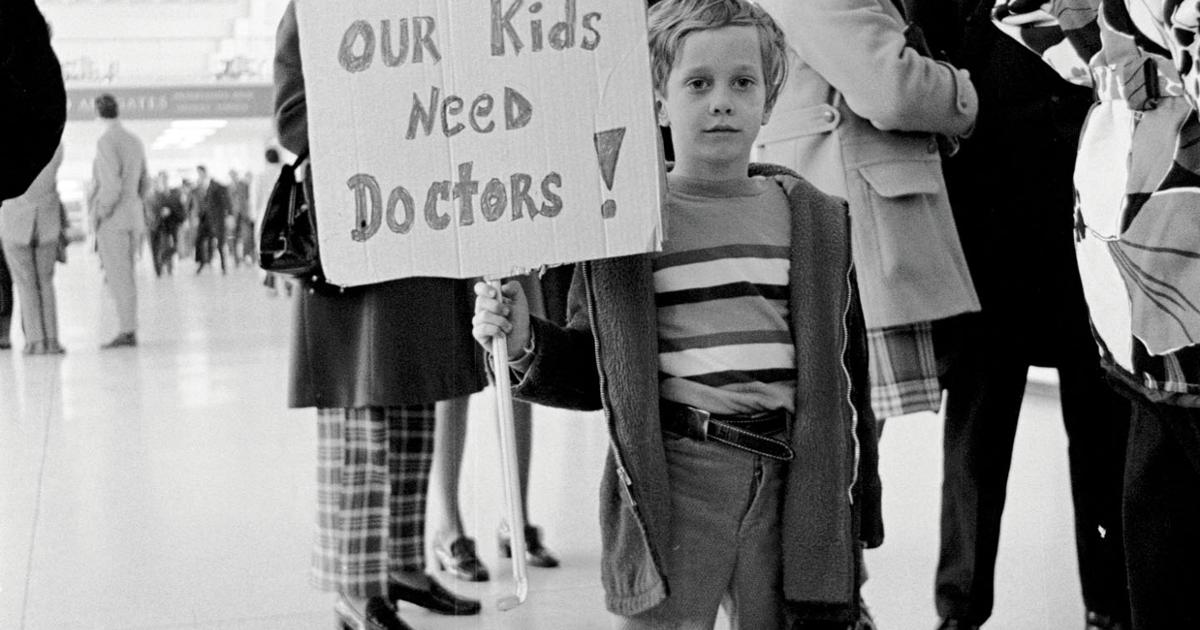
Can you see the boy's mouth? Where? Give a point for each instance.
(721, 129)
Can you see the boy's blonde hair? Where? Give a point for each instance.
(670, 21)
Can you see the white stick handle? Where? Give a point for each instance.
(508, 467)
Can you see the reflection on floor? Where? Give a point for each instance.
(168, 487)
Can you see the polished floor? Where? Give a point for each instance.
(167, 486)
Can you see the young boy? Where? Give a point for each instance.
(731, 366)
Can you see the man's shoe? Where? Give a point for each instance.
(957, 624)
(379, 615)
(1098, 621)
(459, 559)
(123, 340)
(436, 598)
(536, 553)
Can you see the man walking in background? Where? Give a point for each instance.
(119, 181)
(214, 205)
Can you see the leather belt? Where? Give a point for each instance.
(745, 432)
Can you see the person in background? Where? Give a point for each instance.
(213, 206)
(242, 246)
(454, 550)
(166, 207)
(374, 360)
(30, 226)
(185, 237)
(119, 181)
(1017, 231)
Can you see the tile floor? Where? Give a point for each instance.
(169, 487)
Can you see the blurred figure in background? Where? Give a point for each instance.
(185, 236)
(166, 210)
(242, 246)
(30, 226)
(212, 206)
(119, 182)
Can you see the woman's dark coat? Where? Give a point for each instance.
(402, 342)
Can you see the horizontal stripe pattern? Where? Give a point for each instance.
(721, 290)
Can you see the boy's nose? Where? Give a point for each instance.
(720, 102)
(721, 106)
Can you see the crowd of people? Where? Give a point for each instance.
(202, 219)
(939, 214)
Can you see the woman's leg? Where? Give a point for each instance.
(353, 511)
(22, 260)
(45, 257)
(6, 302)
(450, 437)
(410, 438)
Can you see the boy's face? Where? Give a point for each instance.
(715, 102)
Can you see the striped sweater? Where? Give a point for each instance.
(721, 287)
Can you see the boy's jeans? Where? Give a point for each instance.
(725, 540)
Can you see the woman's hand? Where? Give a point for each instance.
(504, 314)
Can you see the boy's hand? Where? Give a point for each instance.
(506, 314)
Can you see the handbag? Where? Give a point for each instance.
(288, 242)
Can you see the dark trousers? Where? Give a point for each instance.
(209, 237)
(982, 406)
(1162, 516)
(6, 294)
(162, 249)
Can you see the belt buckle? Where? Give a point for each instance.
(697, 423)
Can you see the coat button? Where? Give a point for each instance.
(829, 116)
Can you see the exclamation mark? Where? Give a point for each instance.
(608, 149)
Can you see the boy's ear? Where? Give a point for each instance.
(660, 110)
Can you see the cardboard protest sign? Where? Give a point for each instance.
(464, 139)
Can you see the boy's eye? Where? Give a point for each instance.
(696, 84)
(745, 82)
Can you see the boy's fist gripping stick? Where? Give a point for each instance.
(493, 330)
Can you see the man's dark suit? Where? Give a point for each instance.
(1012, 195)
(214, 205)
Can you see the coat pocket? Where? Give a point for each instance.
(903, 233)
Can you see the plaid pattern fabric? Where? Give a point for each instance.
(372, 479)
(904, 373)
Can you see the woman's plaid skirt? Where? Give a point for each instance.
(372, 479)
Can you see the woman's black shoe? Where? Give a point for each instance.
(436, 598)
(536, 553)
(379, 615)
(459, 560)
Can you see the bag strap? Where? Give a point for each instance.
(300, 167)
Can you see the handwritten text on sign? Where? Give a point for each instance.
(475, 138)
